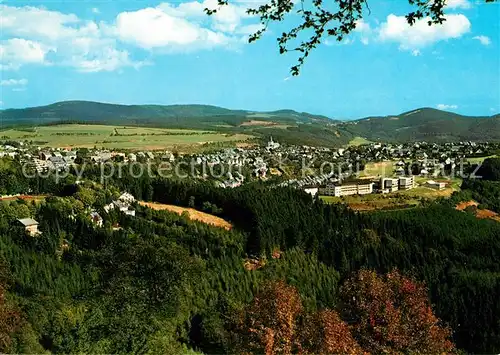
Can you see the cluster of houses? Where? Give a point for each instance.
(123, 204)
(263, 162)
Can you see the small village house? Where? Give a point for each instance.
(96, 219)
(30, 226)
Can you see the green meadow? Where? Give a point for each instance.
(118, 137)
(357, 141)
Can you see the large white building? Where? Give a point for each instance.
(389, 185)
(406, 183)
(347, 189)
(435, 184)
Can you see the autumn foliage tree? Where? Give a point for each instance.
(324, 332)
(380, 314)
(10, 317)
(269, 324)
(275, 323)
(392, 313)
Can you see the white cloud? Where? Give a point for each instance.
(397, 29)
(36, 35)
(95, 10)
(51, 37)
(446, 107)
(458, 4)
(362, 26)
(485, 40)
(185, 26)
(364, 30)
(153, 28)
(416, 53)
(38, 23)
(14, 82)
(16, 52)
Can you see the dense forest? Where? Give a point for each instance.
(294, 275)
(483, 186)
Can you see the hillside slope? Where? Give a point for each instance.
(426, 124)
(286, 125)
(157, 115)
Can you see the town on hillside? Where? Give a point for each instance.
(351, 170)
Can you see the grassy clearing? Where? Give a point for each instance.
(119, 137)
(258, 123)
(375, 202)
(356, 141)
(27, 198)
(478, 160)
(384, 168)
(193, 214)
(260, 115)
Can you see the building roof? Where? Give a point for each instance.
(28, 222)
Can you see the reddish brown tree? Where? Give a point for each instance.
(10, 317)
(385, 314)
(325, 333)
(268, 325)
(275, 324)
(392, 314)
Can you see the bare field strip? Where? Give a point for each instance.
(193, 214)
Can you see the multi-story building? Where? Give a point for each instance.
(406, 183)
(365, 188)
(347, 189)
(389, 185)
(435, 184)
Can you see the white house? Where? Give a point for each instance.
(126, 197)
(435, 184)
(313, 191)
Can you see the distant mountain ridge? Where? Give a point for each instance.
(426, 124)
(97, 112)
(296, 127)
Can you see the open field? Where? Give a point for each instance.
(258, 123)
(36, 198)
(375, 202)
(384, 168)
(193, 214)
(358, 141)
(479, 159)
(118, 137)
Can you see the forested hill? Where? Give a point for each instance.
(286, 125)
(159, 115)
(159, 283)
(426, 124)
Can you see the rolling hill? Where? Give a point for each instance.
(286, 125)
(425, 124)
(157, 115)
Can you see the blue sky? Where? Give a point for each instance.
(135, 52)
